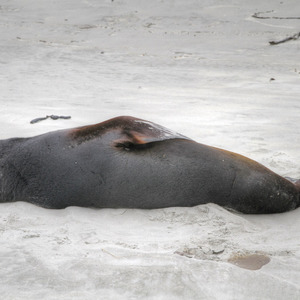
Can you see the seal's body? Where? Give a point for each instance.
(131, 163)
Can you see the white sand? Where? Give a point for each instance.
(200, 68)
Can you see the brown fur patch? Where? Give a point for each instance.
(89, 132)
(133, 130)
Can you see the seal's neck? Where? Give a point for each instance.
(6, 147)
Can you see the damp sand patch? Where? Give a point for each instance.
(249, 261)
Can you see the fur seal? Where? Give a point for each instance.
(127, 162)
